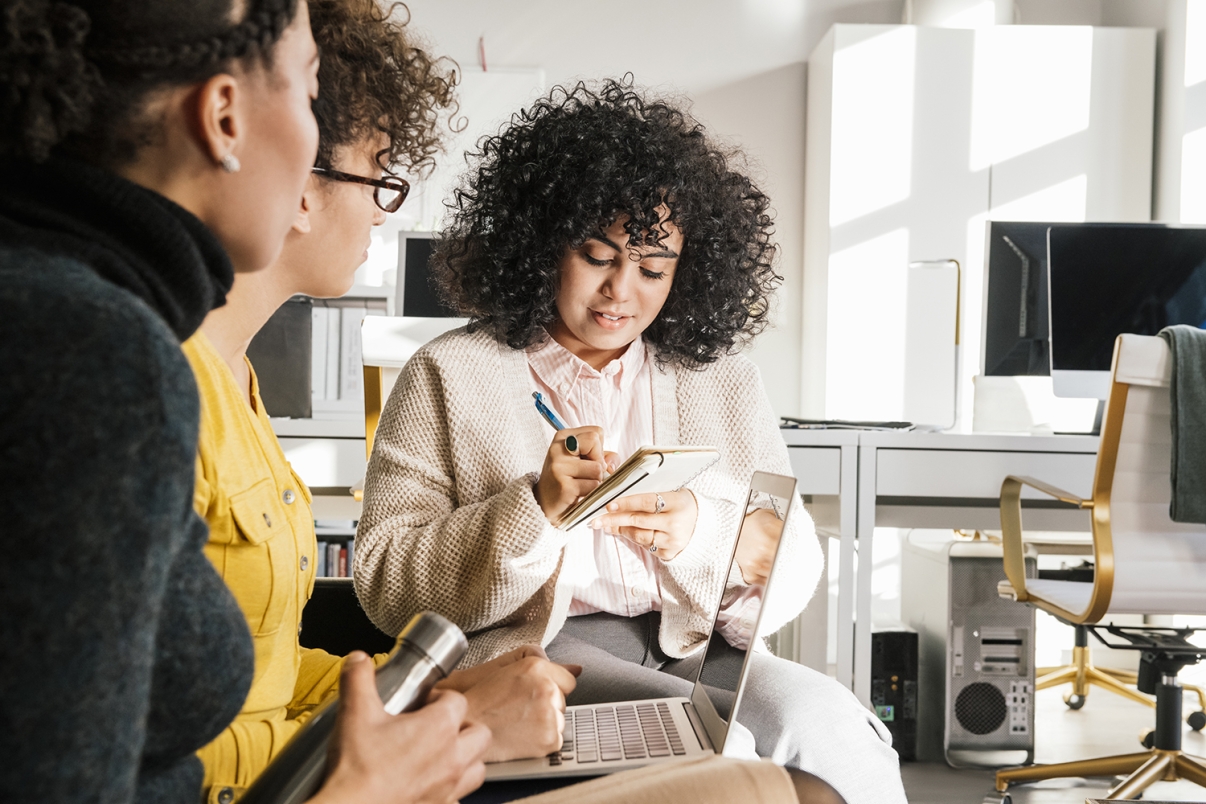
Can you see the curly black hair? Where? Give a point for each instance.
(374, 78)
(570, 166)
(74, 76)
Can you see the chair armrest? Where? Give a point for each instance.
(1011, 526)
(1050, 491)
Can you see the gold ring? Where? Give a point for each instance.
(571, 445)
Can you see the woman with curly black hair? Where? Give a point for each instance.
(611, 257)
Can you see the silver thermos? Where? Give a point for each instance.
(429, 647)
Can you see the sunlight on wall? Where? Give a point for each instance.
(1193, 173)
(1195, 42)
(870, 166)
(1028, 92)
(778, 12)
(865, 369)
(983, 15)
(314, 459)
(1059, 202)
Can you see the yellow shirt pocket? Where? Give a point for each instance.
(261, 569)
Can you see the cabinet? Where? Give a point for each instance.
(915, 138)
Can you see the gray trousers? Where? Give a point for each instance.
(797, 717)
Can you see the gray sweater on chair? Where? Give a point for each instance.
(1188, 396)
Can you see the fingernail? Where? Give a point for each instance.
(613, 506)
(594, 524)
(356, 657)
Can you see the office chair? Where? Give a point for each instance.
(1144, 564)
(334, 621)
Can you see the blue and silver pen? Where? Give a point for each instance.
(548, 414)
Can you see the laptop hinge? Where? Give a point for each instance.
(701, 734)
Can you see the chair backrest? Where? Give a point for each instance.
(334, 621)
(387, 342)
(1158, 566)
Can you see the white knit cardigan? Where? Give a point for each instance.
(451, 524)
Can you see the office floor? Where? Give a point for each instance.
(1106, 725)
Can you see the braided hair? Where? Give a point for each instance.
(74, 76)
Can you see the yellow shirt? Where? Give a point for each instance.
(261, 541)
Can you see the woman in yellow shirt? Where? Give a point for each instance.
(261, 528)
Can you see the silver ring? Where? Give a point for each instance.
(653, 546)
(657, 509)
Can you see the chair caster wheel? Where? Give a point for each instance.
(1074, 701)
(998, 798)
(1148, 738)
(1196, 720)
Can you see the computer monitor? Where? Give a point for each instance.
(1111, 278)
(416, 295)
(1015, 300)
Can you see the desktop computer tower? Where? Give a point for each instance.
(975, 701)
(894, 686)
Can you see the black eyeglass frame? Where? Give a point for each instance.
(400, 186)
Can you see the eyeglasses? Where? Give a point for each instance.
(387, 193)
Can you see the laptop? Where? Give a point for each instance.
(604, 738)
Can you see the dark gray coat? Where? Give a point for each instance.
(121, 651)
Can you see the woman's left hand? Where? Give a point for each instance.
(637, 519)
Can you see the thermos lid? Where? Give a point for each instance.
(436, 636)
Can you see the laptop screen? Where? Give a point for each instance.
(740, 609)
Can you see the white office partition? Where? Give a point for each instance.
(916, 137)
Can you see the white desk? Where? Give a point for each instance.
(825, 463)
(922, 480)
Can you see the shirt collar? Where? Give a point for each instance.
(560, 369)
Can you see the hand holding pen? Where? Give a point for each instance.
(574, 465)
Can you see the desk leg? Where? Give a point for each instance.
(847, 533)
(862, 606)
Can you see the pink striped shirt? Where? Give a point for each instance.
(621, 577)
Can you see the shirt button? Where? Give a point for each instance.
(636, 592)
(565, 387)
(225, 795)
(288, 497)
(305, 562)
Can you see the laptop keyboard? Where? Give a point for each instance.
(609, 733)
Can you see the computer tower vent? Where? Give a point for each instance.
(980, 708)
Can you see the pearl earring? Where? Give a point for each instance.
(230, 163)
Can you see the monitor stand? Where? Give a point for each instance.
(1084, 385)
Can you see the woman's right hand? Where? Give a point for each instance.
(429, 756)
(567, 476)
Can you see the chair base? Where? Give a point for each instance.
(1142, 771)
(1081, 674)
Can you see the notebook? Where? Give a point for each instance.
(604, 738)
(647, 470)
